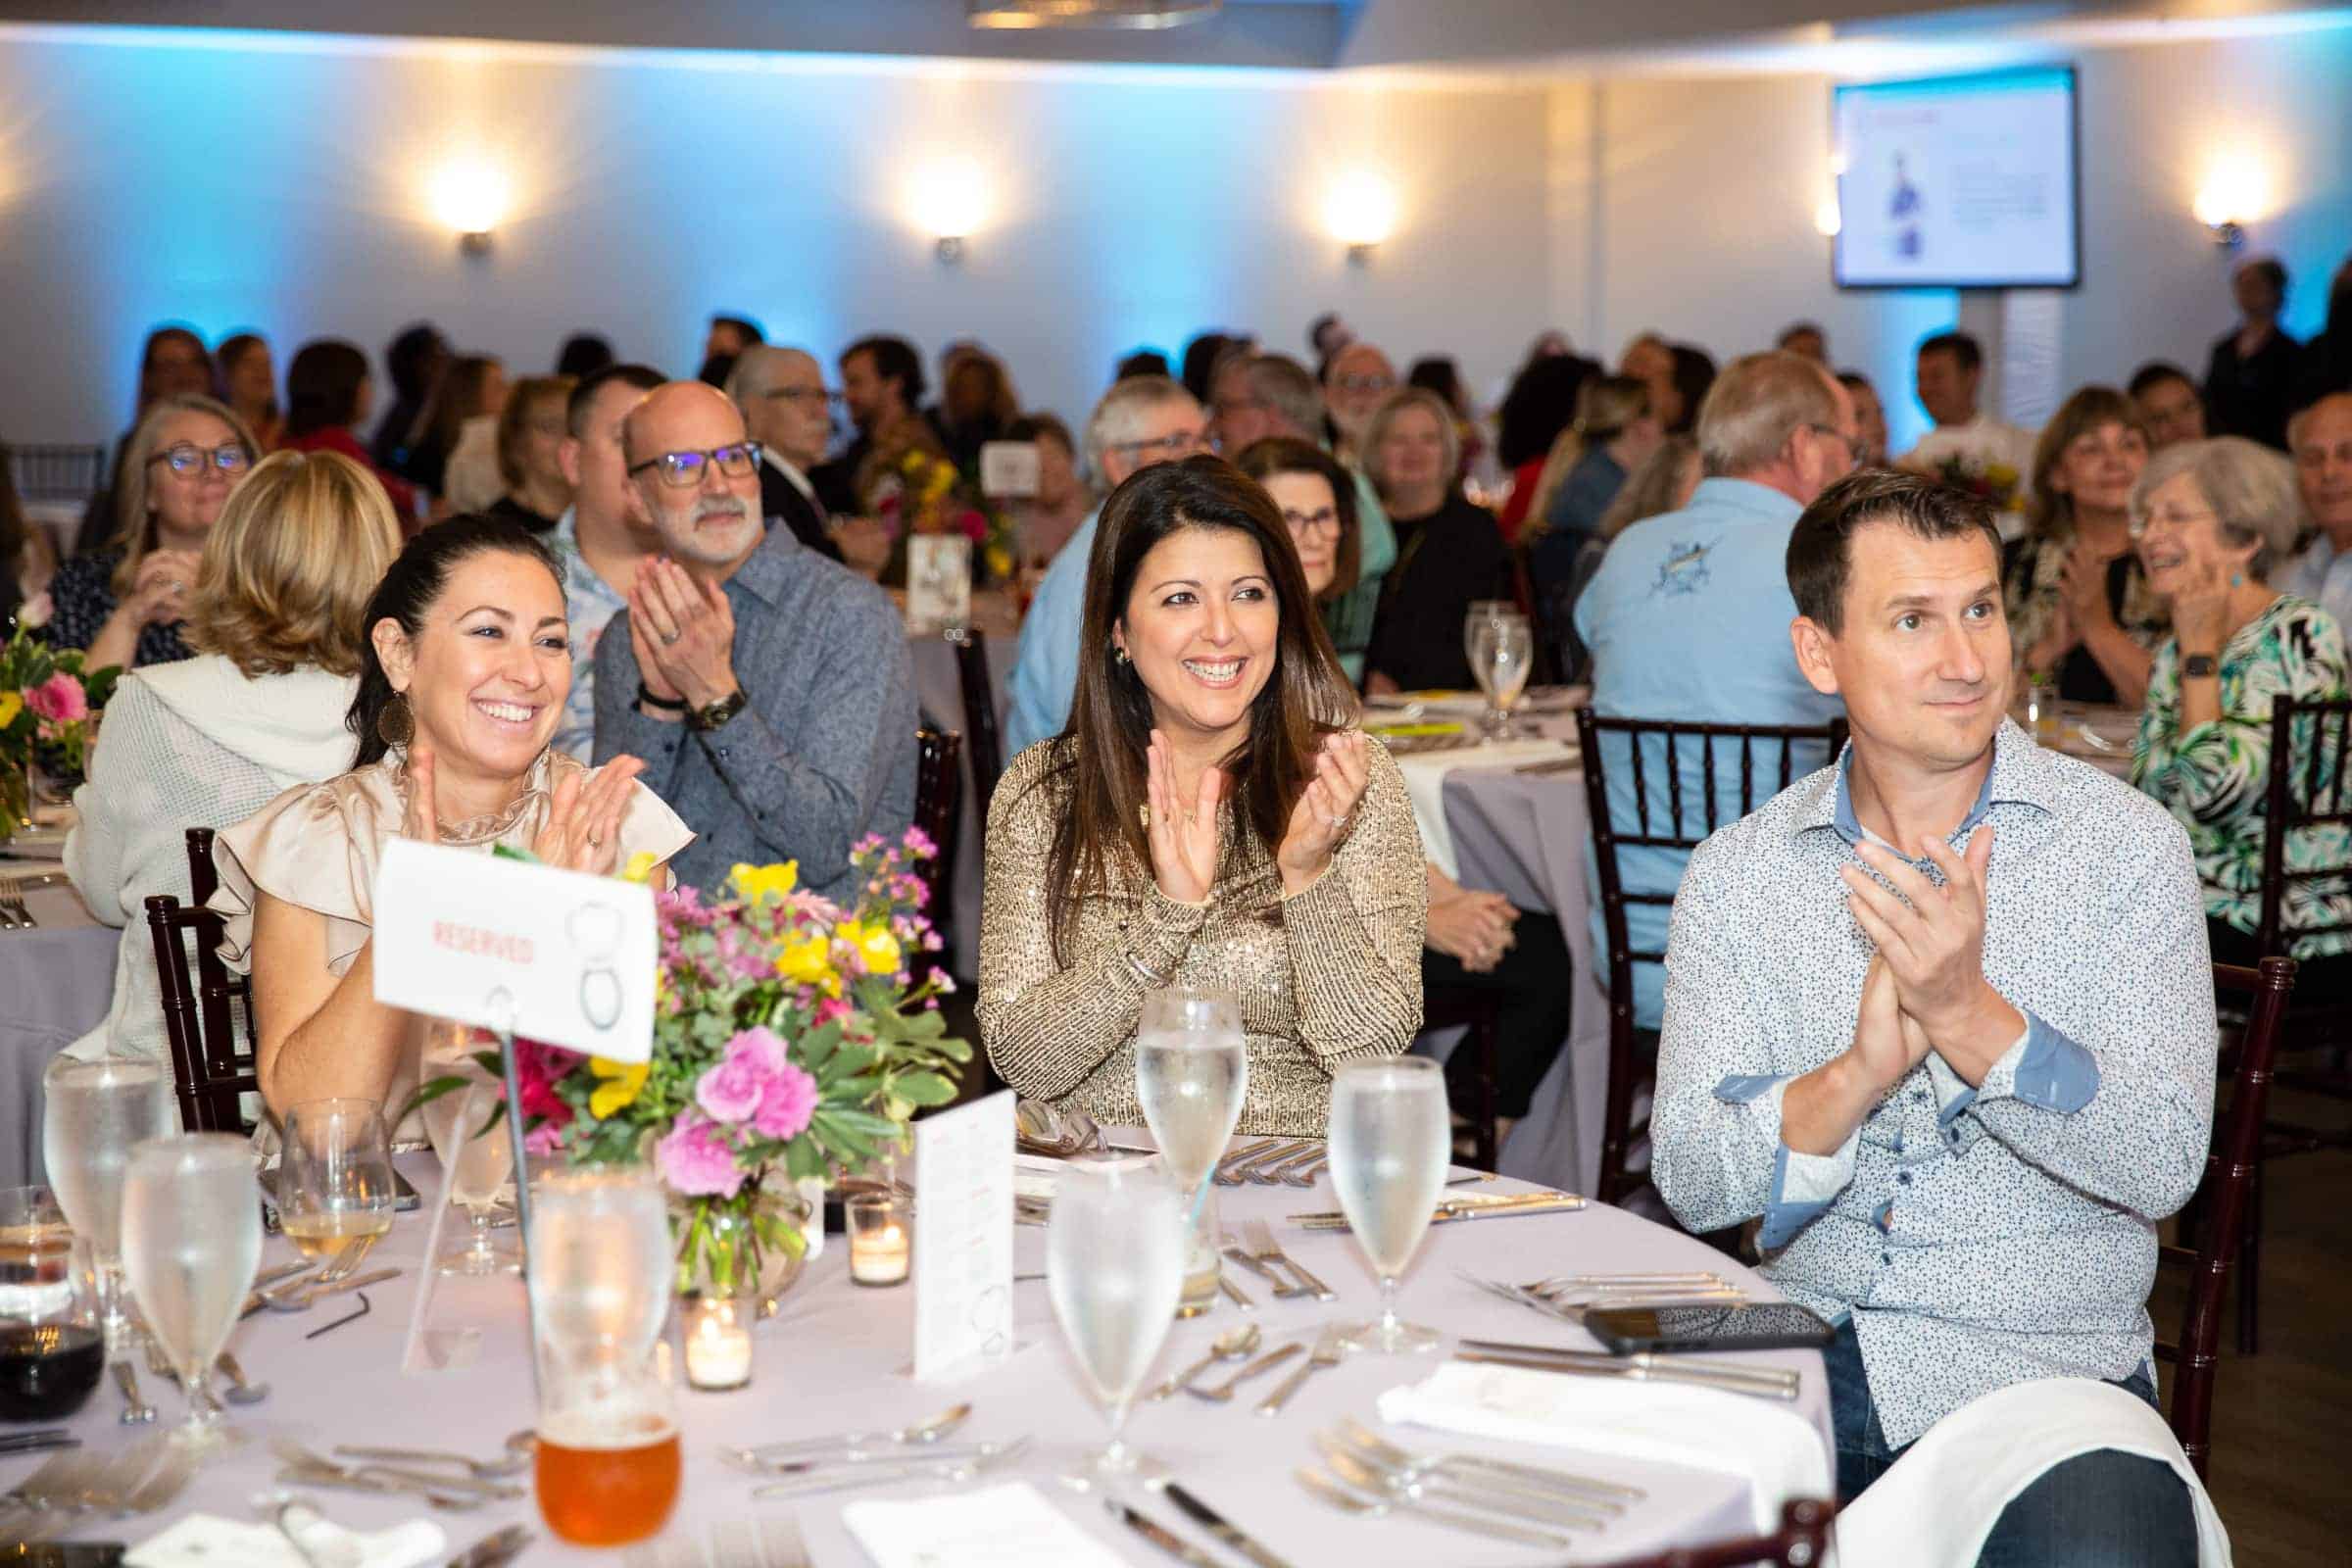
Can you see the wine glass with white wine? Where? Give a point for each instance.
(1192, 1074)
(1114, 1268)
(93, 1114)
(477, 1157)
(1502, 646)
(334, 1178)
(1391, 1138)
(191, 1239)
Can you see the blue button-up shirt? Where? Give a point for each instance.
(589, 604)
(1687, 618)
(1977, 1237)
(1045, 671)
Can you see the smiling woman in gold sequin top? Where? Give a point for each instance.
(1210, 817)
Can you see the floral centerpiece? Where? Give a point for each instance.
(791, 1044)
(1987, 481)
(924, 493)
(47, 698)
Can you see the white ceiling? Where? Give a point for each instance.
(1480, 36)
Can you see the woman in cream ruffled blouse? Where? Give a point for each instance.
(469, 662)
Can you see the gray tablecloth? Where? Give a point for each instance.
(56, 985)
(939, 689)
(836, 1360)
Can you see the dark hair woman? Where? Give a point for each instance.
(468, 661)
(327, 395)
(1209, 817)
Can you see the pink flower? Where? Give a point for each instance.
(60, 698)
(974, 527)
(544, 1139)
(734, 1089)
(537, 1066)
(920, 845)
(786, 1104)
(696, 1161)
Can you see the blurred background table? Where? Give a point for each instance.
(56, 985)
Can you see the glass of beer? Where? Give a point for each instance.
(335, 1189)
(608, 1463)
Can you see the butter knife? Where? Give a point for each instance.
(1755, 1386)
(1224, 1529)
(491, 1550)
(1161, 1536)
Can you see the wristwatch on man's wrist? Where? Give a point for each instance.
(716, 714)
(2200, 667)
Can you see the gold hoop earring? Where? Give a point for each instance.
(396, 725)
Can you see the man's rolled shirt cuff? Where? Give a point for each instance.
(1802, 1185)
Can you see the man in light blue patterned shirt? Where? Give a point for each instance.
(1942, 1017)
(596, 538)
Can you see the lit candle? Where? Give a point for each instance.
(719, 1342)
(878, 1241)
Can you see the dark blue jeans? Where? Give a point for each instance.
(2103, 1509)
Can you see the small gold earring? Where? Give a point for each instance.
(1120, 653)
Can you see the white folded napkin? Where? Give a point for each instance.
(1007, 1526)
(1936, 1504)
(1425, 785)
(204, 1541)
(1775, 1451)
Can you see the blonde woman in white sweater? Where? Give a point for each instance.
(280, 594)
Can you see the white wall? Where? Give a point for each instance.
(1708, 186)
(236, 180)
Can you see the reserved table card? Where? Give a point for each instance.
(938, 581)
(963, 1239)
(558, 957)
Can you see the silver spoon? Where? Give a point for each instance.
(1229, 1346)
(520, 1446)
(913, 1435)
(239, 1391)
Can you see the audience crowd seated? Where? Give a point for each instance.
(466, 405)
(2320, 437)
(328, 393)
(1450, 554)
(532, 491)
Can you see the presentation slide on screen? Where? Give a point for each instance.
(1963, 182)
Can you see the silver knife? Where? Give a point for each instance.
(494, 1550)
(1161, 1536)
(1757, 1387)
(1217, 1525)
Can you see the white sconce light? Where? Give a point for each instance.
(949, 202)
(1361, 214)
(471, 197)
(1828, 220)
(2233, 192)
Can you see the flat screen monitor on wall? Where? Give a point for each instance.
(1958, 183)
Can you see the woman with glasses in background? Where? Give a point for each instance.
(124, 605)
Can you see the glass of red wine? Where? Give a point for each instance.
(52, 1336)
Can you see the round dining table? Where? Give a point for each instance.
(837, 1358)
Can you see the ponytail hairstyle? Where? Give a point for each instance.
(410, 589)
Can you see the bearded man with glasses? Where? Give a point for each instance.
(768, 688)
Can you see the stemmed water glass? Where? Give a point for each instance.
(1391, 1136)
(1114, 1268)
(94, 1113)
(1500, 645)
(191, 1239)
(334, 1181)
(1192, 1074)
(478, 1158)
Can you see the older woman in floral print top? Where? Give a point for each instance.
(2211, 517)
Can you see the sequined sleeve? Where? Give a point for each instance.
(1047, 1026)
(1355, 933)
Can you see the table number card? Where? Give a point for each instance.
(938, 581)
(1009, 470)
(554, 955)
(963, 1239)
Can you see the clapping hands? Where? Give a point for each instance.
(1320, 818)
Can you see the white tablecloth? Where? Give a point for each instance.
(836, 1360)
(56, 985)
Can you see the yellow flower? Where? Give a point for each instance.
(756, 883)
(640, 867)
(874, 944)
(623, 1082)
(11, 704)
(999, 563)
(809, 963)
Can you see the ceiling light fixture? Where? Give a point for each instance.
(1088, 13)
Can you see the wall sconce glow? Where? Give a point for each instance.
(471, 197)
(949, 202)
(2234, 191)
(1361, 213)
(1827, 219)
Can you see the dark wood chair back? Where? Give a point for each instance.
(938, 787)
(52, 472)
(1802, 1541)
(211, 1060)
(2221, 1203)
(1679, 821)
(2310, 786)
(983, 741)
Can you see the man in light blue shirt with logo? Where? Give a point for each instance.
(1141, 421)
(1687, 618)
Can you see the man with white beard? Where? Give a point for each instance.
(767, 689)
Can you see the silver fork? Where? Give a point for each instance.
(1609, 1497)
(1262, 1244)
(1237, 1171)
(1277, 1171)
(1327, 1353)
